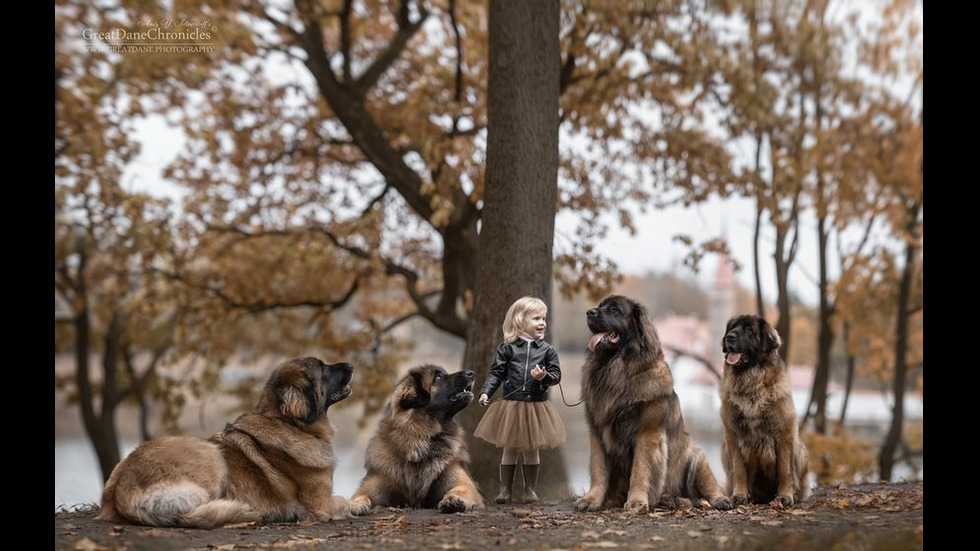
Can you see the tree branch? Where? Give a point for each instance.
(350, 109)
(406, 30)
(700, 359)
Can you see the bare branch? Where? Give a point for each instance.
(375, 201)
(345, 40)
(700, 359)
(406, 30)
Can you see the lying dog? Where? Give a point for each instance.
(763, 454)
(273, 464)
(418, 456)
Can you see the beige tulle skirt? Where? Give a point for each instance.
(525, 426)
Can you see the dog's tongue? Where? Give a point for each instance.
(599, 336)
(732, 358)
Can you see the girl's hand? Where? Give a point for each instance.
(484, 400)
(538, 372)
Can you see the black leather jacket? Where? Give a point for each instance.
(512, 366)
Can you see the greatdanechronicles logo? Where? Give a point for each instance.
(154, 36)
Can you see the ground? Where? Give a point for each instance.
(838, 517)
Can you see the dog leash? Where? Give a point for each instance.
(560, 389)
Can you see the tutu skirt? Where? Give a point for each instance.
(526, 426)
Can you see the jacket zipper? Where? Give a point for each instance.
(527, 359)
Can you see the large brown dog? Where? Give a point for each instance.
(641, 453)
(763, 454)
(418, 457)
(274, 464)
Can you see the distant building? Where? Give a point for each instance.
(722, 306)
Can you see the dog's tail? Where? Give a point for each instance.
(183, 504)
(218, 513)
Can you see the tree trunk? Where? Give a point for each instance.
(782, 288)
(825, 333)
(851, 365)
(519, 204)
(760, 308)
(101, 434)
(886, 458)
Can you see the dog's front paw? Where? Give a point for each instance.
(452, 504)
(783, 500)
(740, 499)
(588, 502)
(721, 503)
(638, 505)
(667, 501)
(360, 505)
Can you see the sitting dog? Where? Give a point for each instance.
(641, 454)
(763, 455)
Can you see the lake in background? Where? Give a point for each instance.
(77, 480)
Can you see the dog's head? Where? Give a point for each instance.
(748, 340)
(302, 389)
(429, 387)
(621, 324)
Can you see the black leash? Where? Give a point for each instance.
(560, 389)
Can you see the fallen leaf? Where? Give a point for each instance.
(590, 534)
(722, 539)
(67, 526)
(694, 534)
(298, 542)
(225, 547)
(86, 544)
(602, 543)
(240, 525)
(614, 532)
(839, 503)
(656, 538)
(799, 512)
(451, 546)
(155, 533)
(772, 523)
(117, 530)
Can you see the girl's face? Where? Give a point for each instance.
(535, 323)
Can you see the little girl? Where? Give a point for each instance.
(524, 420)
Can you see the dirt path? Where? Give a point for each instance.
(836, 517)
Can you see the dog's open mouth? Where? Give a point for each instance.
(465, 394)
(732, 358)
(606, 337)
(341, 394)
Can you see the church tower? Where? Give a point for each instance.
(722, 296)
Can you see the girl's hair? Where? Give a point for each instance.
(517, 315)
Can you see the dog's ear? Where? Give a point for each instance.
(416, 395)
(769, 336)
(638, 314)
(646, 334)
(296, 398)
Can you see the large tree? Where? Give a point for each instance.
(521, 193)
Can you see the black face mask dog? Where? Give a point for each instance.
(418, 455)
(641, 453)
(250, 471)
(763, 454)
(749, 340)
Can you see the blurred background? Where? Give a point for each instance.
(237, 184)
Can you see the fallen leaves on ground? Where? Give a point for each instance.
(86, 544)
